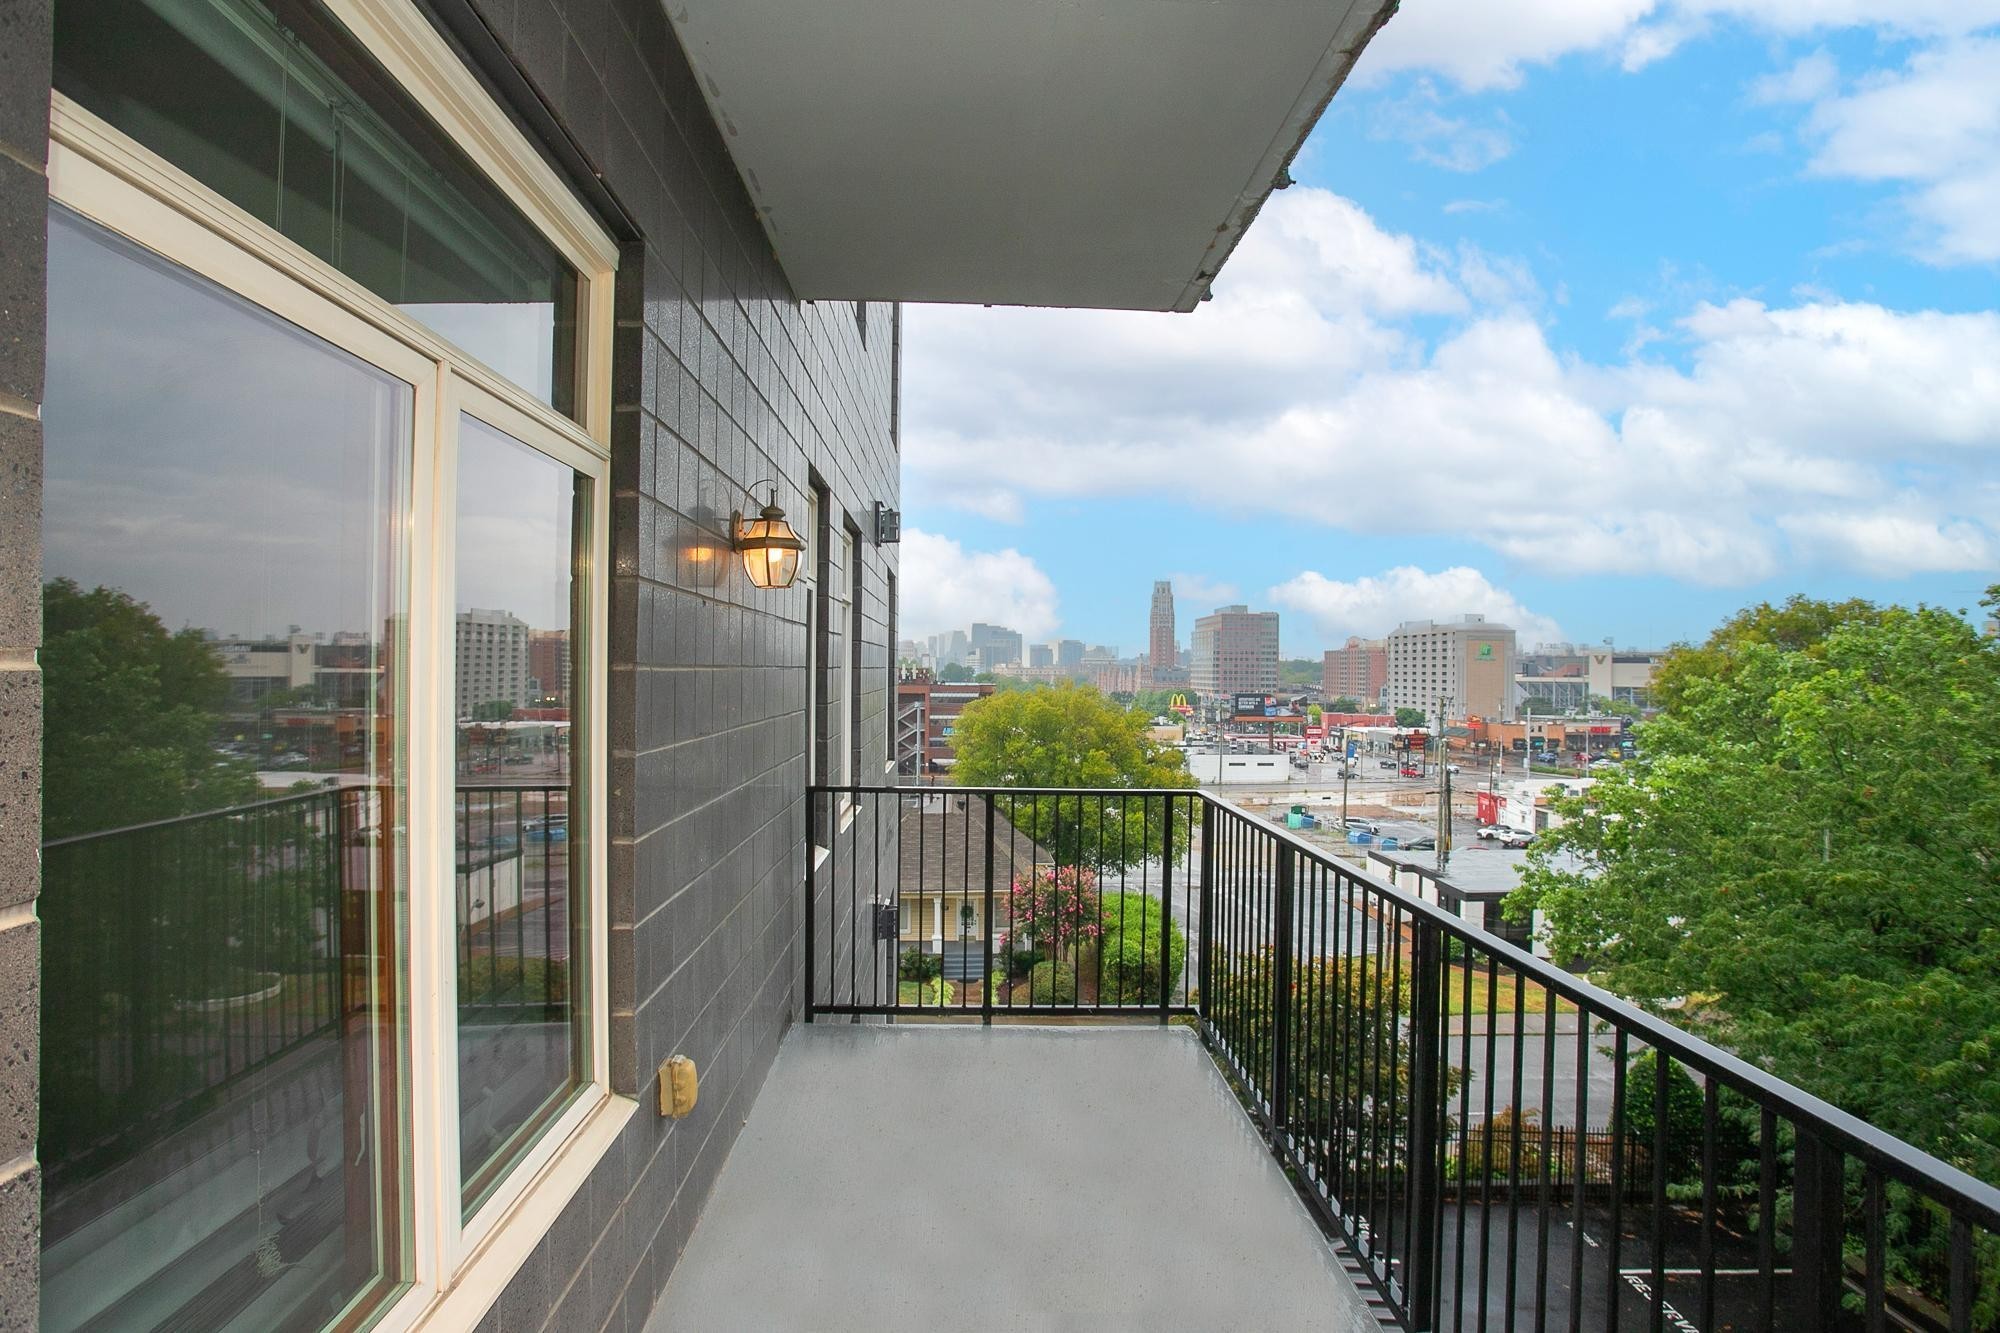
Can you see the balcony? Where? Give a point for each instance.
(1485, 1140)
(1066, 1054)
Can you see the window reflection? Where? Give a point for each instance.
(276, 108)
(223, 805)
(521, 516)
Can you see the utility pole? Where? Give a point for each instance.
(1346, 769)
(1444, 789)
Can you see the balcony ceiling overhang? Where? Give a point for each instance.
(1099, 153)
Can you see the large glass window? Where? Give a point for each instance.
(224, 794)
(277, 109)
(522, 517)
(322, 643)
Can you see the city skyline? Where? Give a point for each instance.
(1607, 325)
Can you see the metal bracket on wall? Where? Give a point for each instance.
(888, 524)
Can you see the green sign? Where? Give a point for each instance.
(1486, 652)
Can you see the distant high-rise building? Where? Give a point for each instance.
(1468, 662)
(995, 644)
(1161, 643)
(1235, 652)
(1358, 671)
(549, 664)
(492, 659)
(1041, 655)
(1069, 653)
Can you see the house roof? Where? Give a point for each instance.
(943, 834)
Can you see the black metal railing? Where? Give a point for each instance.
(1503, 1145)
(182, 957)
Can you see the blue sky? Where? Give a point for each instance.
(1607, 319)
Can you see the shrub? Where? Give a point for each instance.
(1020, 961)
(1051, 983)
(1683, 1136)
(1129, 949)
(916, 965)
(1507, 1125)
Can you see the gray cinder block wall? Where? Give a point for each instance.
(721, 379)
(24, 104)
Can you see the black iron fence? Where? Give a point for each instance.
(1504, 1145)
(182, 957)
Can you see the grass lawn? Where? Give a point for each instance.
(1534, 1001)
(955, 993)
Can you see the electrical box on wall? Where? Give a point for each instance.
(888, 524)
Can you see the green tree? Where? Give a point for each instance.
(1299, 671)
(1410, 717)
(129, 716)
(1314, 713)
(1071, 736)
(1535, 706)
(1807, 849)
(951, 673)
(1346, 703)
(1128, 949)
(494, 710)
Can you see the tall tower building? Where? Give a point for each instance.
(1161, 647)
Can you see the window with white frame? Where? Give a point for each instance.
(326, 536)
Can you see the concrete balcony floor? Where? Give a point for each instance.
(931, 1177)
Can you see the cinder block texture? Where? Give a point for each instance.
(722, 380)
(20, 1252)
(20, 789)
(24, 223)
(21, 522)
(20, 1033)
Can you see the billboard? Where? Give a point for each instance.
(1246, 705)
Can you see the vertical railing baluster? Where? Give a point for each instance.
(986, 920)
(1205, 928)
(1424, 1160)
(1166, 902)
(811, 1005)
(1281, 998)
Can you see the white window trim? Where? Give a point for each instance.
(459, 1265)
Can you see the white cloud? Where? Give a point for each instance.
(947, 587)
(1807, 79)
(1202, 591)
(1372, 605)
(1451, 142)
(1682, 468)
(1479, 45)
(1475, 205)
(1934, 127)
(1891, 544)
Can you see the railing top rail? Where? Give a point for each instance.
(1978, 1201)
(1966, 1194)
(222, 812)
(275, 803)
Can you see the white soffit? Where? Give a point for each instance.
(1101, 153)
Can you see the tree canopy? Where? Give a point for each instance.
(129, 714)
(1807, 850)
(1410, 717)
(1069, 735)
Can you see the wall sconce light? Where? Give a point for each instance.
(769, 547)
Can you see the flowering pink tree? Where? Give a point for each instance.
(1055, 909)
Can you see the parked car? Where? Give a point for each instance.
(1385, 763)
(1420, 844)
(1411, 772)
(555, 828)
(1514, 837)
(1489, 831)
(1365, 825)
